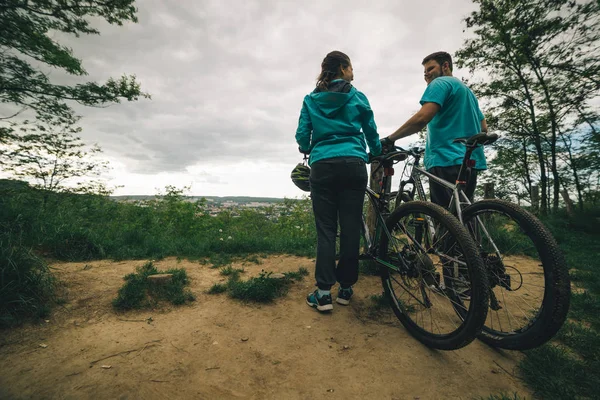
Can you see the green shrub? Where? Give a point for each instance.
(261, 289)
(74, 246)
(368, 267)
(217, 288)
(27, 286)
(230, 271)
(254, 259)
(220, 259)
(137, 292)
(297, 275)
(83, 227)
(503, 396)
(380, 301)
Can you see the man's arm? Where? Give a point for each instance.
(416, 122)
(484, 127)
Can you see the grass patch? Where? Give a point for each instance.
(556, 373)
(254, 259)
(377, 306)
(502, 396)
(569, 366)
(27, 287)
(586, 307)
(379, 301)
(138, 292)
(584, 341)
(220, 260)
(368, 267)
(297, 275)
(261, 289)
(229, 270)
(217, 288)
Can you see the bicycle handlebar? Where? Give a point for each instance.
(400, 155)
(413, 151)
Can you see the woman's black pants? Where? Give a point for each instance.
(337, 187)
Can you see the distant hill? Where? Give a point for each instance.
(13, 184)
(216, 199)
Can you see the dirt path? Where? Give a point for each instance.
(219, 348)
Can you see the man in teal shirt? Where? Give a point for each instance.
(451, 111)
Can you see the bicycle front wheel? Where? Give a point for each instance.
(530, 288)
(433, 275)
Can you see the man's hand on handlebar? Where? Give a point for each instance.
(387, 145)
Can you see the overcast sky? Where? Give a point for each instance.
(227, 79)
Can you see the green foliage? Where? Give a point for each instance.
(539, 61)
(234, 273)
(51, 154)
(586, 307)
(83, 227)
(503, 396)
(297, 275)
(569, 367)
(379, 301)
(220, 259)
(254, 259)
(137, 292)
(217, 288)
(26, 35)
(26, 284)
(368, 267)
(554, 373)
(261, 289)
(508, 236)
(584, 341)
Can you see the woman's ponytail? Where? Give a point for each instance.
(331, 68)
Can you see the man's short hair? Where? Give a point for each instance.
(441, 57)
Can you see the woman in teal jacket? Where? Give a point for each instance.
(336, 124)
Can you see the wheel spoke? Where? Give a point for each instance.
(513, 244)
(427, 248)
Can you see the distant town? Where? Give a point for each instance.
(215, 204)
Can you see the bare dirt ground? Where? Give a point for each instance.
(219, 348)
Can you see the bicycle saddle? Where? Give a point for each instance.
(479, 139)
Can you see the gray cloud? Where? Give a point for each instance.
(227, 78)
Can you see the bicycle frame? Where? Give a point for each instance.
(457, 189)
(379, 201)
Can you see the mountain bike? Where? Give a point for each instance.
(529, 286)
(431, 270)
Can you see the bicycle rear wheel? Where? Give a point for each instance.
(434, 275)
(529, 282)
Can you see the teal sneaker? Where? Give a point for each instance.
(344, 295)
(322, 303)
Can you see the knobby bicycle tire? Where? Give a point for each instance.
(419, 290)
(541, 323)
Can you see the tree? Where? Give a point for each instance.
(541, 61)
(25, 45)
(54, 157)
